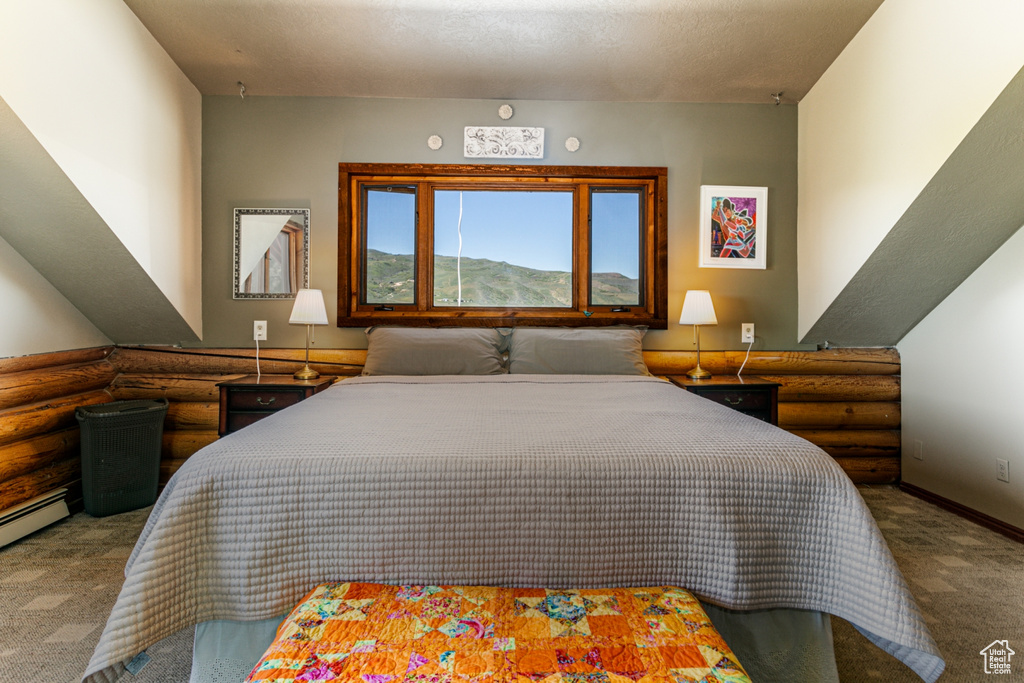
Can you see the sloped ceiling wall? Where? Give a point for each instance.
(53, 227)
(37, 318)
(973, 204)
(897, 204)
(101, 189)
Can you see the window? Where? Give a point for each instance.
(389, 259)
(501, 245)
(502, 248)
(279, 269)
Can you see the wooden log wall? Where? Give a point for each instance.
(188, 379)
(39, 435)
(847, 401)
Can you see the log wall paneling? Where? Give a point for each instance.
(836, 387)
(51, 360)
(871, 470)
(179, 445)
(39, 435)
(188, 379)
(24, 457)
(762, 363)
(64, 474)
(192, 416)
(844, 400)
(43, 384)
(168, 466)
(175, 388)
(238, 362)
(35, 419)
(861, 442)
(811, 415)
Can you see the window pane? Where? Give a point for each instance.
(511, 248)
(615, 234)
(390, 232)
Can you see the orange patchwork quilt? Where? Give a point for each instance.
(372, 633)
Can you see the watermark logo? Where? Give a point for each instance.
(997, 657)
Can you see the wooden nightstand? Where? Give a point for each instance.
(249, 399)
(750, 395)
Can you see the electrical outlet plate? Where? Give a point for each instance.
(259, 330)
(1003, 470)
(747, 333)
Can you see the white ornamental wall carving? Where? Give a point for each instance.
(508, 142)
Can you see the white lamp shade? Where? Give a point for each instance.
(698, 309)
(309, 308)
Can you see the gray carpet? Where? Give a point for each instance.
(968, 582)
(57, 588)
(58, 585)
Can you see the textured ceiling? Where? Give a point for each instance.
(601, 50)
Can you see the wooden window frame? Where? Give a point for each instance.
(653, 311)
(295, 249)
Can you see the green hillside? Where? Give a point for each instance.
(389, 278)
(488, 283)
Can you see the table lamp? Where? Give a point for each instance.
(308, 310)
(698, 310)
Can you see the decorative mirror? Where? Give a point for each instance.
(271, 253)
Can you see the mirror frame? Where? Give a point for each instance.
(239, 278)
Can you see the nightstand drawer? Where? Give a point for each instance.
(740, 399)
(263, 399)
(751, 396)
(762, 415)
(238, 420)
(249, 399)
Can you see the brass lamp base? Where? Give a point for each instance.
(306, 373)
(698, 373)
(309, 373)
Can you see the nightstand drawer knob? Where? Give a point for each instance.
(259, 399)
(733, 401)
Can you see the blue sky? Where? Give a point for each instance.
(531, 229)
(615, 230)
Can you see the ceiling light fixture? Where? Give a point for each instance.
(777, 96)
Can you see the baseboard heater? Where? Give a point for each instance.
(21, 520)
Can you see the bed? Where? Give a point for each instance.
(535, 480)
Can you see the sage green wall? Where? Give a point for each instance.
(284, 152)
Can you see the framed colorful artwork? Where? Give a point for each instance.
(733, 226)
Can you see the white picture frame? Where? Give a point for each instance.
(733, 227)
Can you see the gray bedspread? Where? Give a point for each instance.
(557, 481)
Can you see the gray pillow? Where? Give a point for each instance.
(434, 351)
(577, 351)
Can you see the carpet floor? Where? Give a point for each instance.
(58, 585)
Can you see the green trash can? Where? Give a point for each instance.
(120, 454)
